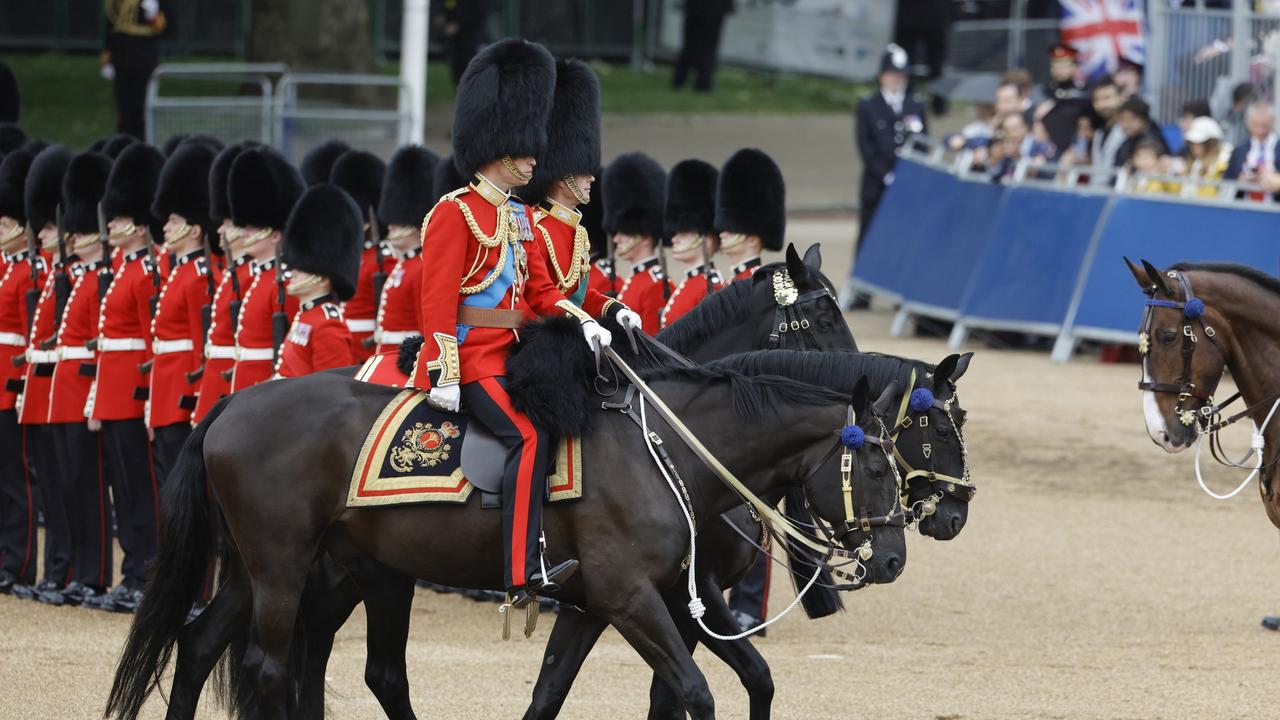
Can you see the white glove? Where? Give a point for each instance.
(108, 71)
(629, 319)
(593, 334)
(150, 8)
(446, 398)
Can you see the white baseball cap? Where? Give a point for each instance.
(1203, 129)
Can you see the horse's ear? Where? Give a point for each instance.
(861, 396)
(1157, 278)
(813, 257)
(795, 266)
(943, 372)
(884, 404)
(961, 366)
(1139, 275)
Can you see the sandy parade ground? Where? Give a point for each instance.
(1093, 580)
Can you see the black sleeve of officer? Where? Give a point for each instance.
(864, 134)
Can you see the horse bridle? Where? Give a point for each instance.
(857, 512)
(913, 410)
(789, 318)
(1192, 309)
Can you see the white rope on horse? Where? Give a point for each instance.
(696, 607)
(1257, 446)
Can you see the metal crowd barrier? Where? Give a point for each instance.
(1041, 253)
(242, 111)
(302, 122)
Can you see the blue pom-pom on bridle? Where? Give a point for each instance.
(921, 400)
(1194, 308)
(852, 436)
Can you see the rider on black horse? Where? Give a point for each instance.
(481, 274)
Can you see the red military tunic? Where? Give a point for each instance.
(746, 268)
(177, 339)
(255, 354)
(318, 339)
(15, 281)
(567, 248)
(220, 345)
(691, 291)
(400, 312)
(600, 280)
(77, 364)
(467, 266)
(124, 329)
(361, 311)
(646, 292)
(38, 371)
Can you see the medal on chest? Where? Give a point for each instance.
(300, 334)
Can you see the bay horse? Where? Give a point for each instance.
(790, 430)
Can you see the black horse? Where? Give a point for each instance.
(792, 428)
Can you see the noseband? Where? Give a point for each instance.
(1192, 309)
(857, 506)
(789, 318)
(914, 411)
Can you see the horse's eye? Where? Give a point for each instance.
(1167, 337)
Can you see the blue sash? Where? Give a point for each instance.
(493, 294)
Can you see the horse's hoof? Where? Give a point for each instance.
(1271, 622)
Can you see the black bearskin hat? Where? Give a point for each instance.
(183, 188)
(446, 179)
(573, 132)
(752, 198)
(10, 96)
(407, 187)
(325, 236)
(82, 189)
(262, 188)
(219, 206)
(504, 100)
(691, 198)
(12, 137)
(593, 217)
(176, 141)
(317, 164)
(114, 145)
(131, 186)
(34, 146)
(360, 174)
(13, 180)
(634, 185)
(43, 191)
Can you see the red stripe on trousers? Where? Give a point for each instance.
(524, 475)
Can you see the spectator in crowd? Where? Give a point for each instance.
(1109, 137)
(1208, 155)
(1013, 94)
(132, 52)
(1146, 161)
(1064, 74)
(1078, 153)
(1232, 117)
(703, 20)
(1190, 111)
(464, 24)
(1257, 154)
(1066, 97)
(1128, 78)
(1134, 121)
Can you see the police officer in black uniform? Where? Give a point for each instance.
(703, 20)
(882, 124)
(132, 53)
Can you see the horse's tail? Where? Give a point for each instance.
(188, 533)
(820, 601)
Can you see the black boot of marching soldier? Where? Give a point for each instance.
(1271, 622)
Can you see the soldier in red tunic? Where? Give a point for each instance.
(360, 174)
(751, 209)
(117, 402)
(79, 445)
(482, 268)
(563, 183)
(22, 274)
(184, 309)
(220, 341)
(262, 188)
(634, 186)
(322, 246)
(407, 197)
(690, 222)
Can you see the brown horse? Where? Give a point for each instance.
(790, 432)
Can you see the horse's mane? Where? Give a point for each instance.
(836, 370)
(720, 309)
(1266, 281)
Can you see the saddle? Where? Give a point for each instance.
(417, 453)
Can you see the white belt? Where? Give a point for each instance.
(164, 347)
(395, 337)
(244, 353)
(14, 339)
(71, 352)
(220, 352)
(42, 357)
(106, 344)
(362, 326)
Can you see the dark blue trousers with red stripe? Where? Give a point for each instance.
(524, 477)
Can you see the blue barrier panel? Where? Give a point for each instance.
(913, 214)
(1029, 266)
(938, 274)
(1110, 304)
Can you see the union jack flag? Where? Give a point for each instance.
(1105, 32)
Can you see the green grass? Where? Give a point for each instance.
(65, 100)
